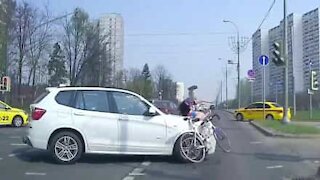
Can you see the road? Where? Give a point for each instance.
(253, 156)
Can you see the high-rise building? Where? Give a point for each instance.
(294, 43)
(262, 43)
(111, 26)
(259, 47)
(311, 41)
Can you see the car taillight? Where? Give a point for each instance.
(37, 113)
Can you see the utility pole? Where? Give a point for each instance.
(227, 86)
(285, 56)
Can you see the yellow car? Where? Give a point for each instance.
(12, 116)
(255, 112)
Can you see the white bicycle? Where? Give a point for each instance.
(198, 143)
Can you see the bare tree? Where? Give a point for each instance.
(39, 38)
(22, 21)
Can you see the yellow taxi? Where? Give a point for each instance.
(254, 111)
(12, 116)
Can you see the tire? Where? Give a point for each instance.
(17, 121)
(68, 155)
(222, 139)
(269, 117)
(239, 117)
(179, 153)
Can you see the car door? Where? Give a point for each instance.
(248, 113)
(139, 132)
(4, 114)
(92, 114)
(258, 111)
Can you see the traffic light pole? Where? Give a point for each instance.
(285, 55)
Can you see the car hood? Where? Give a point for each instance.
(178, 122)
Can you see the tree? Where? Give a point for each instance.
(56, 67)
(74, 42)
(164, 83)
(22, 21)
(38, 40)
(138, 82)
(146, 72)
(7, 10)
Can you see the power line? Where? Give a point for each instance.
(264, 19)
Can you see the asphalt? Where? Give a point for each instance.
(253, 156)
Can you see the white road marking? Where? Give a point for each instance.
(128, 178)
(18, 144)
(15, 137)
(146, 163)
(316, 162)
(255, 142)
(1, 159)
(137, 172)
(14, 154)
(274, 167)
(35, 174)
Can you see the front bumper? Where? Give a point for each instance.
(27, 141)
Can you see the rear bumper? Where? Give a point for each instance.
(27, 141)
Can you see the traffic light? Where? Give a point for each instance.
(6, 84)
(277, 58)
(314, 81)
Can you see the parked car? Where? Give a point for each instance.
(255, 111)
(70, 121)
(12, 116)
(166, 106)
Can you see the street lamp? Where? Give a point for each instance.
(238, 53)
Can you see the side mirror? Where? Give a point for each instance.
(245, 108)
(7, 108)
(152, 111)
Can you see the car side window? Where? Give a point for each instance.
(252, 106)
(267, 106)
(259, 106)
(2, 106)
(130, 104)
(92, 101)
(64, 97)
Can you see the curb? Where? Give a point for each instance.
(228, 111)
(269, 132)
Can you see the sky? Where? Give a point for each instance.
(189, 36)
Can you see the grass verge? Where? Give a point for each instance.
(277, 126)
(304, 116)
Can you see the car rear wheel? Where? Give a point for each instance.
(17, 121)
(239, 117)
(269, 117)
(66, 148)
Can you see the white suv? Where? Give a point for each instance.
(70, 121)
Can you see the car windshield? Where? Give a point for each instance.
(118, 87)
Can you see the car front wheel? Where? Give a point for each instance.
(239, 117)
(66, 148)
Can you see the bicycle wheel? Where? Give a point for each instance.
(222, 139)
(193, 151)
(215, 116)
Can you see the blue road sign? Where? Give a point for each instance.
(264, 60)
(251, 73)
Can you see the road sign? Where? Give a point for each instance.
(310, 92)
(251, 73)
(264, 60)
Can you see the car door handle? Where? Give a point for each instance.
(78, 114)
